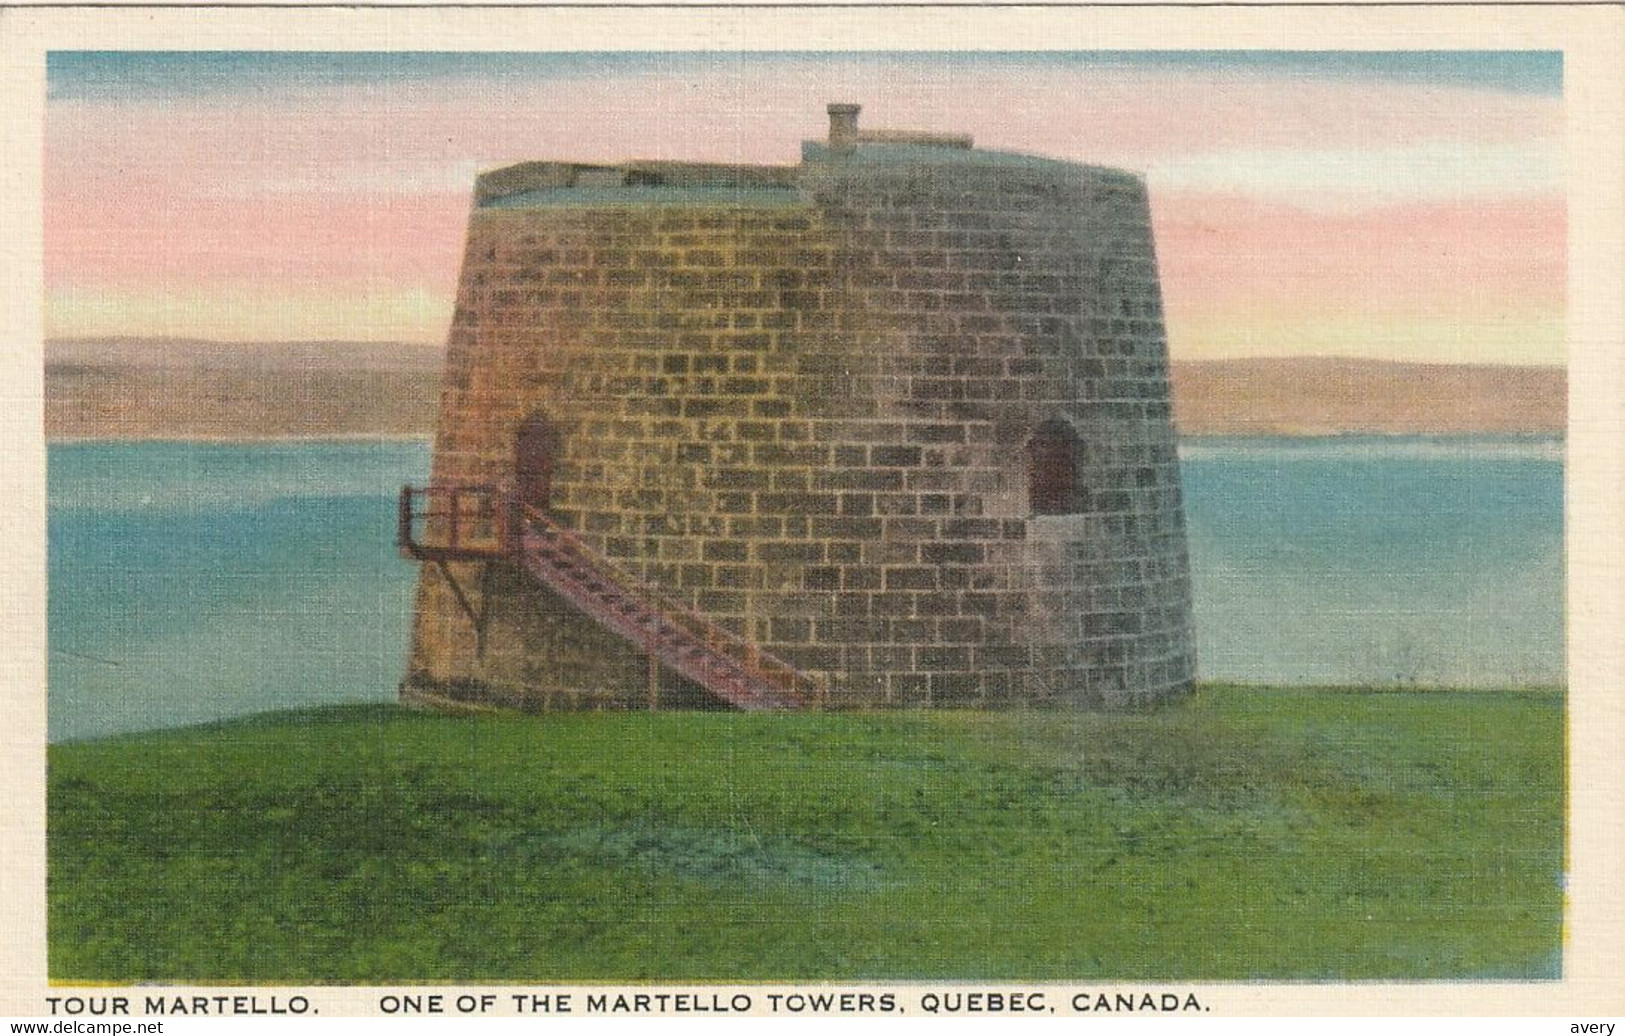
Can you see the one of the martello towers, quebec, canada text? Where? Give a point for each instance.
(887, 428)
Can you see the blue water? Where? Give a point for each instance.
(191, 582)
(1377, 561)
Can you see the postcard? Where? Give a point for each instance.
(808, 510)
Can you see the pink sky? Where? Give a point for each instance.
(1386, 211)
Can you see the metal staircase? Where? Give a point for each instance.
(443, 524)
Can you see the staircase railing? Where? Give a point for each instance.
(473, 521)
(450, 522)
(766, 666)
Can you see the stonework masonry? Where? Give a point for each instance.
(818, 404)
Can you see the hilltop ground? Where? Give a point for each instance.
(1247, 833)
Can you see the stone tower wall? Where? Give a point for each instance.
(805, 412)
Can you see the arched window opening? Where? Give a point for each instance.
(1052, 468)
(535, 446)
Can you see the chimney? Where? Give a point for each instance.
(843, 127)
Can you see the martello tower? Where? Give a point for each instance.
(891, 426)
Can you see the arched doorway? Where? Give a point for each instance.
(535, 447)
(1052, 468)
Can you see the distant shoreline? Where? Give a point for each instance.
(312, 439)
(143, 391)
(427, 438)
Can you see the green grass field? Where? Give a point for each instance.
(1248, 833)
